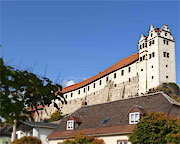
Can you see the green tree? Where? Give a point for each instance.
(27, 140)
(156, 128)
(21, 89)
(57, 115)
(81, 139)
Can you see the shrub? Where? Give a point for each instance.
(57, 115)
(27, 140)
(81, 139)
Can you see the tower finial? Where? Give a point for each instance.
(165, 27)
(151, 27)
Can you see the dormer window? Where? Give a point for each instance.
(134, 118)
(70, 125)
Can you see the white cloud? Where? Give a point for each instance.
(68, 82)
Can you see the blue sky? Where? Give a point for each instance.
(78, 39)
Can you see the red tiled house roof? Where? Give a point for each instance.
(120, 64)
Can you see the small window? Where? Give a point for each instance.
(165, 34)
(114, 75)
(140, 58)
(167, 42)
(164, 53)
(143, 45)
(153, 54)
(94, 85)
(100, 82)
(88, 88)
(122, 72)
(129, 80)
(167, 55)
(66, 96)
(121, 142)
(164, 41)
(129, 69)
(149, 56)
(152, 77)
(79, 92)
(84, 90)
(106, 78)
(70, 125)
(134, 118)
(166, 65)
(152, 66)
(153, 42)
(141, 69)
(140, 46)
(167, 77)
(114, 85)
(144, 57)
(151, 34)
(71, 94)
(149, 43)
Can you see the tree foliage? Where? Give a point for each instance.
(27, 140)
(81, 139)
(156, 128)
(57, 115)
(21, 89)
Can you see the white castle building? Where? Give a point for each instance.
(152, 65)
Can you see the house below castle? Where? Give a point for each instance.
(113, 121)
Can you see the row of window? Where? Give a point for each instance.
(166, 42)
(166, 54)
(100, 82)
(150, 56)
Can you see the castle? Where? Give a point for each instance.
(152, 65)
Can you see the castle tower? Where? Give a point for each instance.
(156, 59)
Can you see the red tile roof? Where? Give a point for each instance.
(114, 67)
(92, 131)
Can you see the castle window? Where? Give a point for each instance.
(152, 66)
(129, 69)
(88, 88)
(153, 54)
(152, 77)
(153, 42)
(141, 69)
(146, 45)
(143, 45)
(66, 96)
(149, 43)
(165, 34)
(106, 78)
(167, 77)
(84, 90)
(79, 92)
(166, 65)
(70, 125)
(122, 72)
(151, 34)
(100, 82)
(164, 41)
(134, 118)
(144, 57)
(164, 54)
(140, 58)
(71, 94)
(167, 42)
(140, 46)
(94, 85)
(149, 56)
(167, 55)
(114, 85)
(129, 80)
(114, 75)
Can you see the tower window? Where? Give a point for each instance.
(165, 34)
(66, 96)
(167, 77)
(114, 85)
(71, 94)
(100, 82)
(114, 75)
(79, 92)
(167, 55)
(153, 42)
(106, 78)
(152, 77)
(143, 45)
(151, 34)
(149, 56)
(88, 88)
(149, 43)
(94, 85)
(166, 65)
(144, 57)
(164, 41)
(140, 58)
(146, 45)
(129, 80)
(167, 42)
(140, 46)
(164, 54)
(122, 72)
(152, 66)
(153, 54)
(141, 69)
(129, 69)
